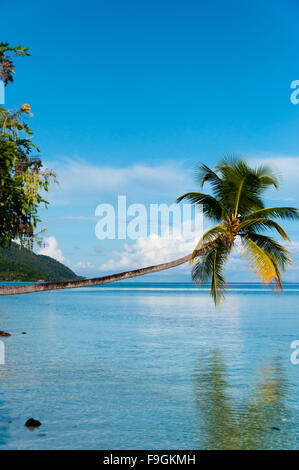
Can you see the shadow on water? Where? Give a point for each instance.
(258, 421)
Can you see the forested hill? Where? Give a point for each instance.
(23, 265)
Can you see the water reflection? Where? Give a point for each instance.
(4, 425)
(258, 421)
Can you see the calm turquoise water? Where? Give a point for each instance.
(150, 366)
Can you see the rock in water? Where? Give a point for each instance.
(3, 333)
(32, 423)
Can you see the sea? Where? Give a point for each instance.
(139, 365)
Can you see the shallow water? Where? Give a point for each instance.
(150, 366)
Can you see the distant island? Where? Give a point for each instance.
(23, 265)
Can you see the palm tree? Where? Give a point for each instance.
(236, 206)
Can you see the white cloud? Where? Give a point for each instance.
(84, 265)
(51, 249)
(293, 247)
(288, 170)
(83, 183)
(152, 250)
(147, 252)
(85, 268)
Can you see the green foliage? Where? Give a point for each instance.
(237, 203)
(7, 52)
(23, 180)
(13, 205)
(24, 265)
(13, 271)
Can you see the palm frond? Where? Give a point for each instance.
(205, 174)
(208, 238)
(209, 264)
(290, 213)
(218, 286)
(260, 262)
(262, 224)
(241, 187)
(210, 206)
(239, 192)
(278, 281)
(278, 253)
(267, 176)
(267, 257)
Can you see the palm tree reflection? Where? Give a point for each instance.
(257, 422)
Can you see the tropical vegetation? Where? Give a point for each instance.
(23, 180)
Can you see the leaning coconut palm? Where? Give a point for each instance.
(236, 205)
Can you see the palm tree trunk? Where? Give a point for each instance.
(26, 289)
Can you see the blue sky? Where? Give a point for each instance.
(128, 96)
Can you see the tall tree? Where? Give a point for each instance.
(23, 180)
